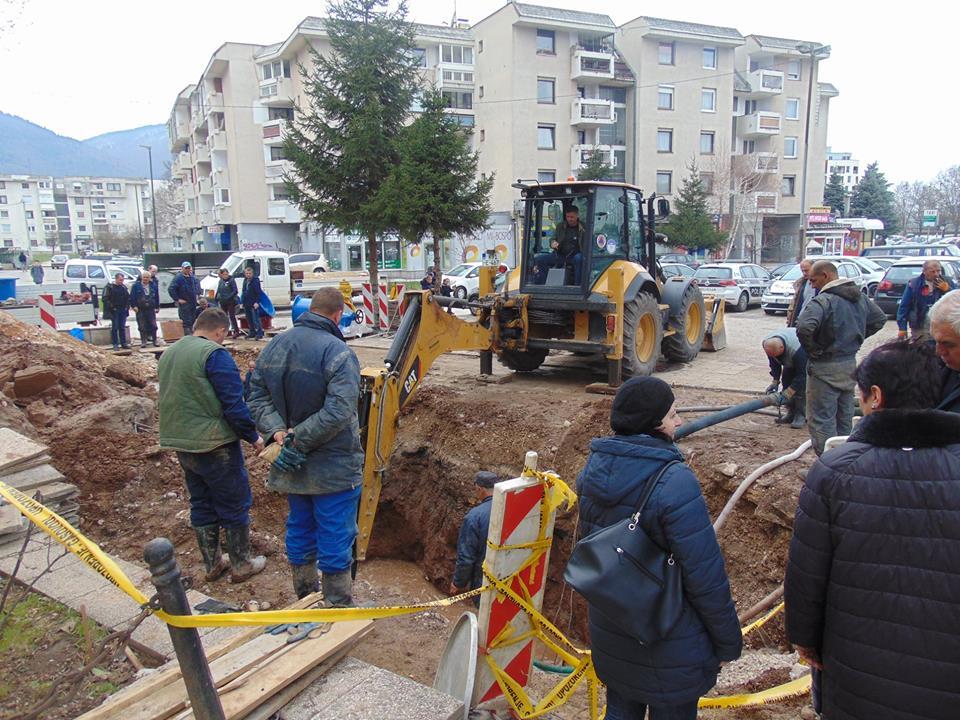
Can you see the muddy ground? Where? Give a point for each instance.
(132, 491)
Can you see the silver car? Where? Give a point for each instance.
(777, 297)
(739, 284)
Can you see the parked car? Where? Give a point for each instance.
(739, 284)
(85, 271)
(670, 270)
(911, 250)
(308, 262)
(779, 271)
(679, 258)
(870, 272)
(58, 261)
(465, 279)
(777, 297)
(895, 280)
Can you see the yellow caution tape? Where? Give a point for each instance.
(794, 688)
(760, 622)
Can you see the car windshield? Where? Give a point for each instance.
(718, 273)
(459, 270)
(793, 273)
(869, 265)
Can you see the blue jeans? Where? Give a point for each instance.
(253, 320)
(118, 327)
(219, 486)
(621, 708)
(322, 528)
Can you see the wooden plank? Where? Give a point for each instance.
(15, 448)
(33, 477)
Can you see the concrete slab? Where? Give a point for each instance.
(354, 690)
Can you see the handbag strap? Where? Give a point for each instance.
(651, 484)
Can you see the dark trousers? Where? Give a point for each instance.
(323, 528)
(118, 327)
(187, 313)
(253, 321)
(219, 486)
(230, 308)
(621, 708)
(147, 324)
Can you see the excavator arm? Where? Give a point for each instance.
(426, 332)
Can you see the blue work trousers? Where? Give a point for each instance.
(621, 708)
(253, 321)
(188, 314)
(219, 486)
(118, 327)
(323, 528)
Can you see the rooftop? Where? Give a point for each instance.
(559, 15)
(780, 43)
(691, 28)
(827, 89)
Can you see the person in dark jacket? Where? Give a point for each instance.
(145, 300)
(303, 394)
(203, 417)
(788, 368)
(803, 291)
(668, 677)
(472, 541)
(873, 578)
(919, 296)
(227, 297)
(36, 272)
(945, 330)
(446, 290)
(116, 304)
(185, 291)
(252, 292)
(831, 328)
(426, 282)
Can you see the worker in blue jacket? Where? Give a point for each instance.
(472, 543)
(185, 291)
(919, 296)
(252, 295)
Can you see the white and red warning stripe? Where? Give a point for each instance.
(383, 303)
(367, 305)
(48, 317)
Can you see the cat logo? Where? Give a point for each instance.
(410, 384)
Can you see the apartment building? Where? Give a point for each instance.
(846, 166)
(71, 214)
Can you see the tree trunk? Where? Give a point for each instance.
(437, 244)
(373, 261)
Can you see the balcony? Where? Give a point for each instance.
(206, 186)
(275, 170)
(206, 218)
(580, 154)
(765, 202)
(273, 132)
(278, 91)
(764, 83)
(183, 161)
(767, 162)
(214, 102)
(759, 124)
(587, 64)
(187, 220)
(218, 141)
(283, 211)
(202, 152)
(592, 112)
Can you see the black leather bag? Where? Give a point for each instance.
(623, 574)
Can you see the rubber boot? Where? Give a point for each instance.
(242, 566)
(787, 417)
(799, 420)
(305, 579)
(216, 563)
(338, 589)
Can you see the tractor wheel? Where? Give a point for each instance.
(642, 335)
(686, 342)
(522, 360)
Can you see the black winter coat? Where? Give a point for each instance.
(873, 580)
(950, 395)
(683, 666)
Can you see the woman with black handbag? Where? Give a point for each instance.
(662, 670)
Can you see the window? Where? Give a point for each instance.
(457, 76)
(481, 91)
(608, 92)
(665, 97)
(546, 176)
(749, 146)
(479, 46)
(3, 185)
(24, 186)
(75, 272)
(792, 109)
(483, 135)
(665, 53)
(664, 182)
(420, 56)
(276, 153)
(98, 186)
(3, 199)
(546, 94)
(43, 185)
(78, 201)
(278, 192)
(458, 100)
(113, 187)
(81, 214)
(4, 214)
(546, 42)
(275, 266)
(456, 54)
(96, 272)
(706, 142)
(277, 69)
(29, 214)
(793, 70)
(465, 120)
(736, 104)
(280, 113)
(710, 58)
(708, 100)
(223, 196)
(707, 179)
(664, 141)
(6, 227)
(49, 213)
(788, 185)
(546, 137)
(746, 271)
(790, 147)
(82, 228)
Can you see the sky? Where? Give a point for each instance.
(86, 68)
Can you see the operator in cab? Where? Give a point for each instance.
(568, 239)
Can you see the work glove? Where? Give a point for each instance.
(290, 458)
(943, 285)
(772, 388)
(780, 399)
(902, 335)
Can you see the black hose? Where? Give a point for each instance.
(731, 412)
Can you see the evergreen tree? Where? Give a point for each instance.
(595, 168)
(343, 146)
(872, 198)
(433, 189)
(690, 223)
(835, 195)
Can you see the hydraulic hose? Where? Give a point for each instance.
(724, 415)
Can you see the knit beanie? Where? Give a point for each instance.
(640, 406)
(486, 479)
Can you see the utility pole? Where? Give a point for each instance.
(153, 200)
(816, 52)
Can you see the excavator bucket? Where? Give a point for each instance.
(715, 337)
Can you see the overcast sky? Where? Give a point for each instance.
(85, 68)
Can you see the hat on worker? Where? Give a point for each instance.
(486, 479)
(185, 264)
(640, 406)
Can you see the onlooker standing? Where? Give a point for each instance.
(185, 291)
(472, 541)
(116, 303)
(252, 296)
(919, 296)
(427, 281)
(788, 368)
(23, 260)
(803, 291)
(155, 282)
(669, 676)
(304, 394)
(36, 272)
(831, 328)
(873, 578)
(226, 297)
(446, 291)
(203, 417)
(945, 330)
(145, 300)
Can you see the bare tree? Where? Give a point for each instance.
(947, 194)
(167, 208)
(736, 181)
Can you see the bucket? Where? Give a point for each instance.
(8, 288)
(300, 306)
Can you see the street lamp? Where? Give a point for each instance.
(153, 199)
(816, 51)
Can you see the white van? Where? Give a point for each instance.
(271, 267)
(97, 272)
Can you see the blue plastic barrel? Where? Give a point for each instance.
(8, 288)
(77, 333)
(300, 306)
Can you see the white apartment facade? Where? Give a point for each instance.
(846, 166)
(71, 214)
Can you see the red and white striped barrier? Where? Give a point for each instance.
(48, 317)
(383, 303)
